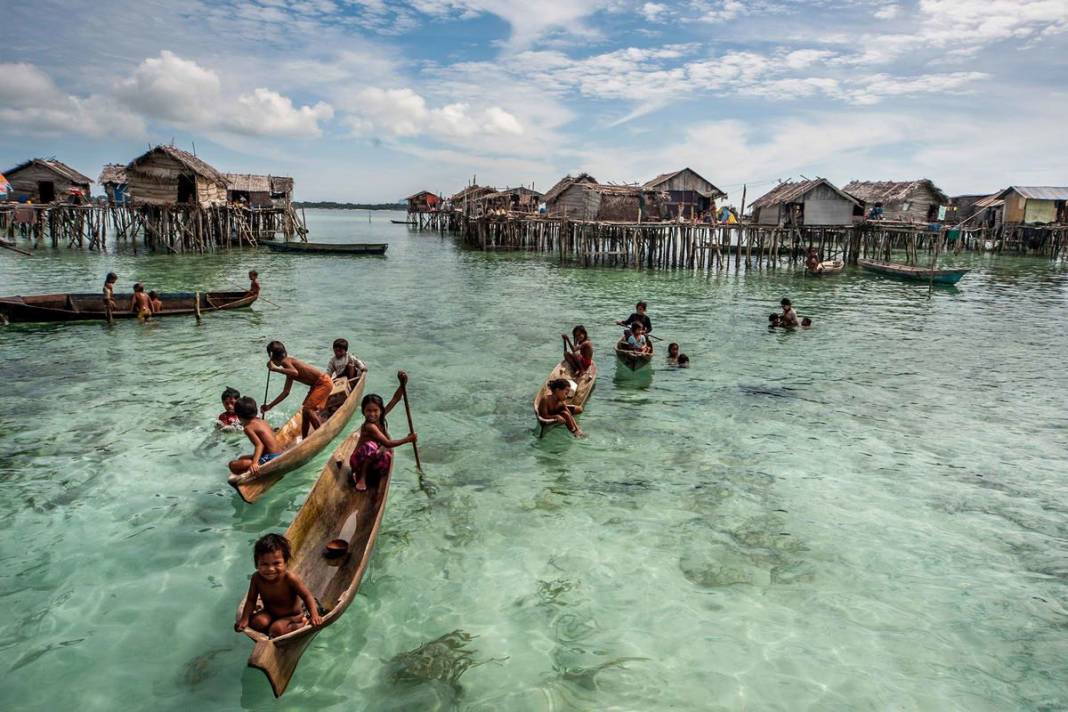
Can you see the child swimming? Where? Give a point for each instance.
(228, 418)
(281, 591)
(259, 432)
(774, 320)
(374, 449)
(673, 353)
(154, 302)
(789, 316)
(683, 361)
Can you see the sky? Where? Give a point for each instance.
(373, 100)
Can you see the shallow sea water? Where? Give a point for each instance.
(872, 514)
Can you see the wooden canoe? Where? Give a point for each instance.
(326, 248)
(294, 454)
(913, 272)
(403, 222)
(334, 509)
(585, 382)
(90, 307)
(827, 268)
(631, 358)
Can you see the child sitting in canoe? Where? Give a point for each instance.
(264, 443)
(154, 302)
(140, 303)
(228, 418)
(637, 341)
(789, 316)
(374, 449)
(254, 279)
(639, 315)
(344, 363)
(319, 385)
(554, 406)
(281, 591)
(673, 353)
(579, 352)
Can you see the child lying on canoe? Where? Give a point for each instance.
(554, 406)
(280, 590)
(579, 352)
(294, 369)
(374, 449)
(228, 418)
(259, 432)
(344, 363)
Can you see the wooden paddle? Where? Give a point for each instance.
(265, 389)
(428, 489)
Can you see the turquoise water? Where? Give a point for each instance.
(872, 514)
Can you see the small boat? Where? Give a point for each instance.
(340, 407)
(402, 222)
(631, 358)
(914, 273)
(584, 387)
(334, 513)
(827, 268)
(327, 248)
(90, 307)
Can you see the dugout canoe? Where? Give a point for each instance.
(326, 248)
(90, 307)
(334, 509)
(913, 272)
(403, 222)
(827, 268)
(631, 358)
(294, 454)
(585, 384)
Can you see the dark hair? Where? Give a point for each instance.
(112, 277)
(139, 287)
(341, 344)
(637, 325)
(246, 407)
(377, 400)
(253, 273)
(558, 383)
(774, 316)
(785, 302)
(276, 349)
(230, 393)
(270, 543)
(672, 344)
(683, 359)
(577, 329)
(153, 294)
(806, 322)
(641, 305)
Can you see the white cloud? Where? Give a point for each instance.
(717, 11)
(888, 12)
(404, 113)
(653, 11)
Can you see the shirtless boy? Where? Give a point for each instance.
(254, 279)
(260, 433)
(320, 385)
(280, 590)
(109, 289)
(140, 304)
(554, 406)
(155, 302)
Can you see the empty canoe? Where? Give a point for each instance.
(914, 273)
(326, 248)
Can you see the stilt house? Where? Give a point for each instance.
(805, 202)
(167, 175)
(562, 202)
(423, 202)
(248, 189)
(689, 194)
(113, 180)
(46, 180)
(583, 198)
(917, 201)
(281, 190)
(513, 200)
(467, 199)
(1032, 205)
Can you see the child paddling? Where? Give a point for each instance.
(319, 385)
(374, 449)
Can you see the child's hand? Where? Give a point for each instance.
(316, 619)
(241, 624)
(402, 377)
(254, 468)
(263, 409)
(413, 438)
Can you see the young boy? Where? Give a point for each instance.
(789, 316)
(639, 316)
(280, 590)
(637, 340)
(109, 290)
(344, 363)
(155, 302)
(254, 287)
(140, 303)
(228, 418)
(265, 445)
(320, 385)
(554, 406)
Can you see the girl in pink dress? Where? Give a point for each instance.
(374, 449)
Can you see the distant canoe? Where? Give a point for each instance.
(914, 273)
(585, 384)
(631, 358)
(402, 222)
(326, 248)
(827, 268)
(90, 307)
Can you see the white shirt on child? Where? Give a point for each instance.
(337, 365)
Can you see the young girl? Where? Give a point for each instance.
(280, 590)
(673, 352)
(579, 353)
(374, 449)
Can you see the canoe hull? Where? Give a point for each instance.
(251, 487)
(914, 274)
(90, 307)
(828, 268)
(630, 359)
(326, 248)
(331, 506)
(586, 383)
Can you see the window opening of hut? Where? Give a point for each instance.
(47, 191)
(187, 189)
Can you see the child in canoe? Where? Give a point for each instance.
(344, 363)
(254, 282)
(374, 449)
(320, 385)
(260, 433)
(280, 590)
(229, 418)
(579, 352)
(637, 341)
(554, 406)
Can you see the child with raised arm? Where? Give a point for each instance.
(319, 385)
(281, 591)
(374, 449)
(344, 363)
(554, 406)
(260, 433)
(140, 303)
(579, 352)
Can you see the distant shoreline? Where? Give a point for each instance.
(328, 205)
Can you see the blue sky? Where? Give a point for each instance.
(375, 99)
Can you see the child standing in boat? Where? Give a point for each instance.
(264, 443)
(280, 590)
(374, 449)
(294, 369)
(254, 279)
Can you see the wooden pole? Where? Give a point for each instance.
(196, 306)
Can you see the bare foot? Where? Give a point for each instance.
(361, 485)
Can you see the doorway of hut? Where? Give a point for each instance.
(46, 191)
(187, 189)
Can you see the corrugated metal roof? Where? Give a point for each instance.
(1040, 192)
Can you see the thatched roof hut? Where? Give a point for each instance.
(249, 189)
(47, 180)
(688, 193)
(113, 180)
(805, 202)
(563, 184)
(166, 175)
(583, 198)
(470, 195)
(913, 201)
(515, 200)
(423, 202)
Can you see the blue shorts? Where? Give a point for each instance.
(264, 459)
